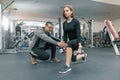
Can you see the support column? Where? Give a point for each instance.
(90, 25)
(0, 28)
(59, 20)
(60, 28)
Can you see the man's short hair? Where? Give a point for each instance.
(48, 23)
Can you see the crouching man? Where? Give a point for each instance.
(43, 40)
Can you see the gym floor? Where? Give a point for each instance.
(102, 64)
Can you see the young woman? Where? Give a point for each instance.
(72, 36)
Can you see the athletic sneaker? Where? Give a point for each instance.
(84, 57)
(65, 69)
(33, 60)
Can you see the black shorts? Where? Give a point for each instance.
(74, 45)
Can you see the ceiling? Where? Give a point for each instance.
(41, 10)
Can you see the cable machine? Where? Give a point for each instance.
(90, 31)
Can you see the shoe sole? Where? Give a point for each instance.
(55, 61)
(34, 63)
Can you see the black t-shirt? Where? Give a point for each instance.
(72, 30)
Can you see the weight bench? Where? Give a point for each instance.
(114, 36)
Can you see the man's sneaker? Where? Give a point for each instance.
(84, 57)
(65, 69)
(55, 60)
(33, 60)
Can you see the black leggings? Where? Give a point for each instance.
(42, 54)
(74, 45)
